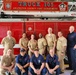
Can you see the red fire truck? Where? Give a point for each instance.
(18, 19)
(17, 26)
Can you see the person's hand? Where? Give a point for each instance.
(10, 69)
(21, 67)
(75, 47)
(26, 48)
(51, 71)
(62, 53)
(38, 72)
(23, 70)
(35, 71)
(32, 51)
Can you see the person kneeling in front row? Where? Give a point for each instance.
(52, 63)
(37, 64)
(22, 63)
(8, 63)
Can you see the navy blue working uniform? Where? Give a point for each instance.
(37, 62)
(71, 52)
(22, 60)
(52, 62)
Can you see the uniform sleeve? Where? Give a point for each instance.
(13, 59)
(36, 43)
(54, 37)
(31, 59)
(75, 38)
(2, 42)
(20, 42)
(17, 59)
(2, 60)
(64, 42)
(44, 42)
(57, 62)
(42, 59)
(14, 41)
(28, 59)
(29, 44)
(27, 41)
(47, 59)
(46, 36)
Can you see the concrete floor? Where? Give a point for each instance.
(67, 72)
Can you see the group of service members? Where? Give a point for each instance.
(32, 53)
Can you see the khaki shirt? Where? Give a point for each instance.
(61, 43)
(50, 40)
(23, 42)
(41, 43)
(8, 43)
(33, 44)
(7, 60)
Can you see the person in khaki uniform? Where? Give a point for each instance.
(8, 42)
(32, 45)
(8, 63)
(41, 44)
(51, 39)
(61, 48)
(23, 42)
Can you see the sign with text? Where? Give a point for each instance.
(24, 5)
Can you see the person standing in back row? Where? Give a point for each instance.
(51, 39)
(41, 44)
(32, 45)
(23, 42)
(71, 48)
(8, 42)
(61, 48)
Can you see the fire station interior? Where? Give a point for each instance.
(35, 25)
(31, 24)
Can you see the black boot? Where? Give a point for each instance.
(9, 73)
(73, 73)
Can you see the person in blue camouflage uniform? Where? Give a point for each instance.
(52, 63)
(22, 63)
(71, 48)
(37, 64)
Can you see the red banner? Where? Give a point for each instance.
(35, 6)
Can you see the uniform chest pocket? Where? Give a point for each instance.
(6, 60)
(20, 59)
(60, 41)
(52, 61)
(37, 61)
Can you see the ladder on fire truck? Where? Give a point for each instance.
(27, 14)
